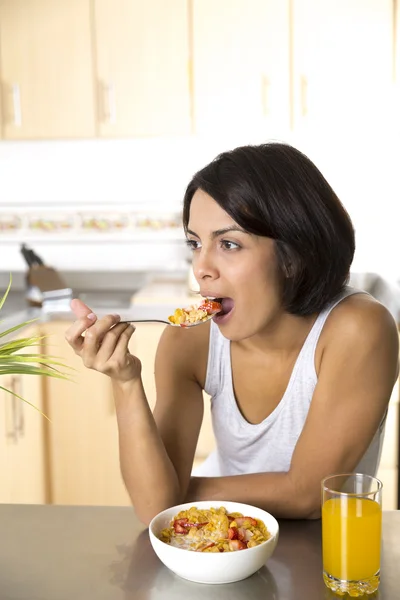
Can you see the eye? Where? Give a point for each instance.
(193, 244)
(228, 245)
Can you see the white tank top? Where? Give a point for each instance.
(242, 447)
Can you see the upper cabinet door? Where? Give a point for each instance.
(46, 69)
(342, 64)
(241, 68)
(142, 55)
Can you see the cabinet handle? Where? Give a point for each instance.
(16, 100)
(11, 429)
(304, 96)
(109, 103)
(265, 94)
(19, 405)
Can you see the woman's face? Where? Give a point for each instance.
(231, 264)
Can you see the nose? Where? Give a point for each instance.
(204, 266)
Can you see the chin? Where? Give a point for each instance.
(237, 333)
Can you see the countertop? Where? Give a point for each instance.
(104, 553)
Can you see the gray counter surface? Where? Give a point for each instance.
(104, 553)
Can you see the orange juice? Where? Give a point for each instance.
(351, 537)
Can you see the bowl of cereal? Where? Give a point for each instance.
(214, 542)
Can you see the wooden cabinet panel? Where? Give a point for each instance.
(28, 481)
(142, 54)
(82, 435)
(5, 431)
(241, 68)
(247, 70)
(342, 65)
(22, 447)
(46, 69)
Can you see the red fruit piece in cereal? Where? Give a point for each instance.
(237, 545)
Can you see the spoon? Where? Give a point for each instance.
(211, 307)
(169, 322)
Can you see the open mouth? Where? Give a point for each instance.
(227, 305)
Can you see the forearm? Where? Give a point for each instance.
(277, 493)
(148, 473)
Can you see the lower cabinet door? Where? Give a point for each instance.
(82, 433)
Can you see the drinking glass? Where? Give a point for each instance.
(351, 533)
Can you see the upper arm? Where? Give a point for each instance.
(358, 369)
(178, 411)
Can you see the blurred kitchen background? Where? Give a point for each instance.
(108, 107)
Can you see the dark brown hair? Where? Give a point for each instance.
(275, 191)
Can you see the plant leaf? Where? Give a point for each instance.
(6, 293)
(26, 401)
(16, 327)
(32, 370)
(13, 362)
(31, 358)
(20, 344)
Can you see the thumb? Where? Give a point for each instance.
(80, 309)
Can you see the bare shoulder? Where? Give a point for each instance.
(186, 349)
(360, 315)
(360, 321)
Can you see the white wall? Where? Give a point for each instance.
(154, 172)
(142, 174)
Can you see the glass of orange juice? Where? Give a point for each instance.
(351, 533)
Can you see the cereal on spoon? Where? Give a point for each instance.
(195, 314)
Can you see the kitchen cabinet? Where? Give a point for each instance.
(46, 69)
(22, 438)
(265, 69)
(83, 453)
(241, 68)
(142, 54)
(5, 431)
(396, 15)
(1, 109)
(342, 65)
(82, 435)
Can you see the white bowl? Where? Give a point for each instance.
(210, 567)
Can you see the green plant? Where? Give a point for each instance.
(12, 361)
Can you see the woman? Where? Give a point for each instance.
(300, 367)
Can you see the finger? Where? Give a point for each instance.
(121, 348)
(73, 335)
(111, 340)
(94, 337)
(79, 308)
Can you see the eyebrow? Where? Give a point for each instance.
(219, 232)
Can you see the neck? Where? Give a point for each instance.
(285, 334)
